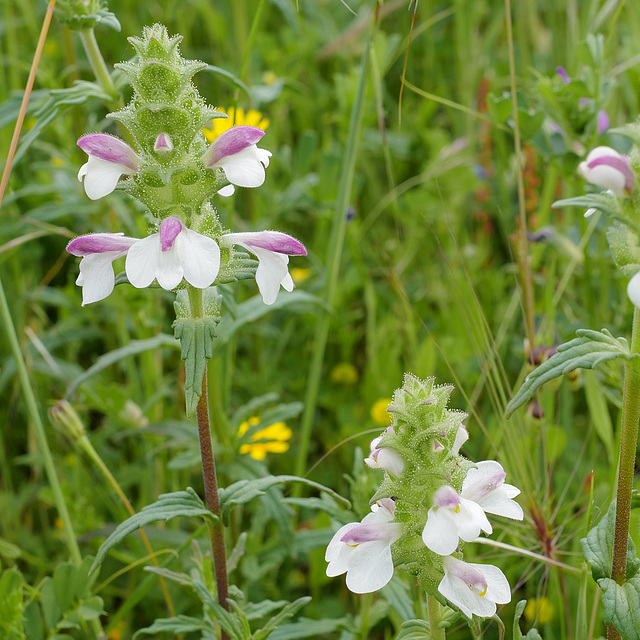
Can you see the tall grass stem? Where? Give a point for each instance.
(334, 254)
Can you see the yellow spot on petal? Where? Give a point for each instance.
(483, 593)
(456, 509)
(379, 412)
(344, 373)
(539, 610)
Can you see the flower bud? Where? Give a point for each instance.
(64, 418)
(607, 168)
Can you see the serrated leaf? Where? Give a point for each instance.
(598, 548)
(414, 630)
(168, 506)
(588, 350)
(621, 606)
(517, 634)
(177, 624)
(196, 336)
(243, 491)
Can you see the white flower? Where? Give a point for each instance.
(385, 458)
(168, 256)
(485, 485)
(607, 168)
(462, 435)
(633, 289)
(236, 152)
(452, 517)
(363, 550)
(109, 158)
(272, 249)
(474, 588)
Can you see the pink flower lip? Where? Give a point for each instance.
(99, 243)
(446, 496)
(370, 532)
(620, 163)
(231, 142)
(270, 240)
(169, 229)
(110, 149)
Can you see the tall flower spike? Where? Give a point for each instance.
(474, 588)
(109, 158)
(607, 168)
(363, 550)
(236, 152)
(272, 249)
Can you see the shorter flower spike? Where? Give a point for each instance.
(109, 158)
(607, 168)
(272, 249)
(474, 588)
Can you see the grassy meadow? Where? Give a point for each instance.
(433, 248)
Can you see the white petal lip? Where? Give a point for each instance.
(370, 567)
(633, 289)
(607, 168)
(440, 533)
(100, 176)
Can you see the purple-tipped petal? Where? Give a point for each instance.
(370, 532)
(563, 74)
(231, 142)
(110, 149)
(446, 496)
(99, 243)
(619, 163)
(163, 143)
(269, 240)
(169, 230)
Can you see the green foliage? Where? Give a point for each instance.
(11, 604)
(587, 351)
(532, 634)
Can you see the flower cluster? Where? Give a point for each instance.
(432, 499)
(175, 171)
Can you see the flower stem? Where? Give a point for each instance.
(433, 607)
(628, 445)
(98, 66)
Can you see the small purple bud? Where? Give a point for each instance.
(169, 230)
(603, 121)
(163, 143)
(563, 74)
(351, 213)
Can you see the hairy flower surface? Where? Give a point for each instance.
(474, 588)
(607, 168)
(363, 550)
(272, 249)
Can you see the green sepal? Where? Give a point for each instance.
(168, 506)
(598, 548)
(196, 337)
(77, 15)
(624, 246)
(588, 350)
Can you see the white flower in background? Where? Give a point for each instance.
(451, 518)
(363, 550)
(607, 168)
(474, 588)
(168, 256)
(272, 249)
(633, 289)
(485, 485)
(109, 158)
(236, 152)
(385, 458)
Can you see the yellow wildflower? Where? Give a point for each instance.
(379, 412)
(344, 373)
(237, 117)
(299, 274)
(268, 77)
(275, 438)
(117, 632)
(539, 610)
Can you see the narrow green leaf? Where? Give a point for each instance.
(621, 606)
(243, 491)
(168, 506)
(178, 624)
(196, 336)
(306, 628)
(599, 414)
(605, 202)
(588, 350)
(598, 548)
(288, 611)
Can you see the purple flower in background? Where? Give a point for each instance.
(563, 74)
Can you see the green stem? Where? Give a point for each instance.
(628, 446)
(98, 66)
(212, 496)
(365, 605)
(435, 615)
(334, 256)
(43, 445)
